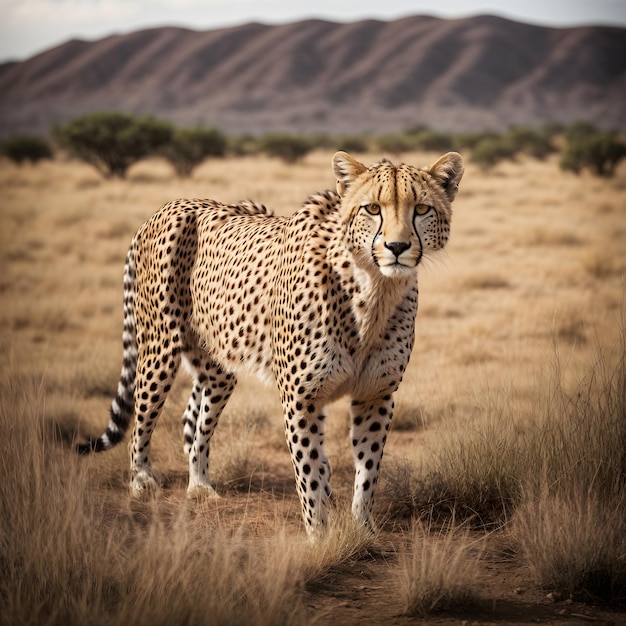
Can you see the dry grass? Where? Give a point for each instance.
(73, 555)
(573, 438)
(575, 543)
(510, 416)
(440, 571)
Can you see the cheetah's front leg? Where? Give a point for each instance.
(370, 425)
(304, 429)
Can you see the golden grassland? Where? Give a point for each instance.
(504, 475)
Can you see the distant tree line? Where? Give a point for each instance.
(113, 141)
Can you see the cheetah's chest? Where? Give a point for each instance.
(335, 332)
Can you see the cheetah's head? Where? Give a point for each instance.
(393, 214)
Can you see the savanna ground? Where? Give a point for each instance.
(502, 497)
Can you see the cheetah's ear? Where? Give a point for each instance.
(346, 169)
(448, 171)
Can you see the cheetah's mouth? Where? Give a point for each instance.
(397, 267)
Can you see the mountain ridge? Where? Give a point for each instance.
(477, 73)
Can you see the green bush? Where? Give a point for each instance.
(469, 140)
(322, 141)
(598, 152)
(394, 143)
(534, 143)
(432, 140)
(352, 143)
(289, 148)
(190, 146)
(22, 148)
(580, 130)
(552, 129)
(490, 151)
(113, 141)
(416, 138)
(242, 145)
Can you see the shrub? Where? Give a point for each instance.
(113, 141)
(26, 148)
(580, 130)
(471, 139)
(552, 129)
(490, 151)
(190, 146)
(242, 145)
(534, 143)
(322, 141)
(599, 152)
(433, 140)
(289, 148)
(394, 144)
(352, 143)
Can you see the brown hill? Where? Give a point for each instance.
(475, 73)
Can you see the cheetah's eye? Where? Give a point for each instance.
(422, 209)
(373, 209)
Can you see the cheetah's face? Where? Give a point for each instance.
(393, 215)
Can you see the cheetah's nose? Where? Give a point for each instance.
(398, 247)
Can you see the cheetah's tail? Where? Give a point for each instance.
(122, 406)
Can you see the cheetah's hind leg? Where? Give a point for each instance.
(155, 377)
(212, 387)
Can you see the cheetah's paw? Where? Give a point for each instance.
(201, 491)
(143, 486)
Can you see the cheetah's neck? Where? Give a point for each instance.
(375, 302)
(374, 298)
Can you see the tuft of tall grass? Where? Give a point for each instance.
(571, 523)
(337, 550)
(473, 474)
(574, 542)
(581, 440)
(440, 571)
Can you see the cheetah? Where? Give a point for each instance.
(322, 302)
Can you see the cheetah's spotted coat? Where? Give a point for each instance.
(323, 301)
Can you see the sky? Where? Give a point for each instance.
(31, 26)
